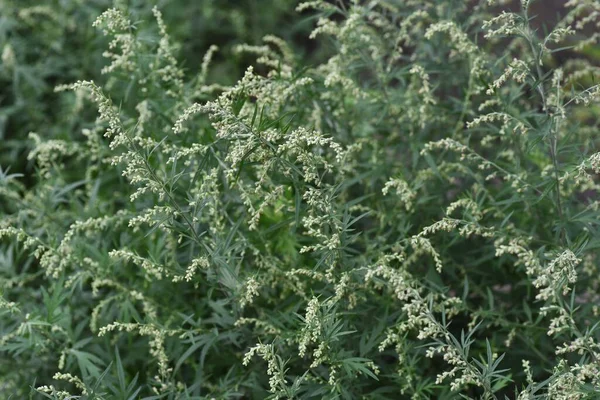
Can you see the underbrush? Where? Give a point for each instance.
(409, 212)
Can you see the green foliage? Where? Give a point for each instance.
(407, 211)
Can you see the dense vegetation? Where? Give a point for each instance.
(378, 199)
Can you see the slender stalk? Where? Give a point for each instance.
(553, 134)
